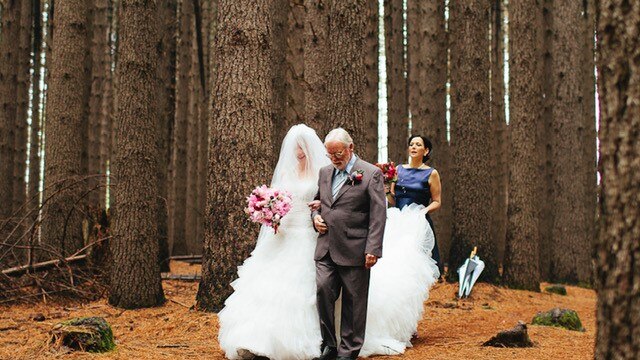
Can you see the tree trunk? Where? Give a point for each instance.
(315, 59)
(427, 96)
(107, 105)
(618, 274)
(499, 148)
(370, 95)
(22, 110)
(35, 138)
(294, 73)
(8, 104)
(470, 135)
(345, 71)
(167, 17)
(177, 239)
(525, 89)
(65, 180)
(546, 189)
(397, 116)
(191, 213)
(570, 246)
(100, 66)
(135, 276)
(243, 90)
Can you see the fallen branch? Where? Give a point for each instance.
(172, 346)
(193, 277)
(19, 270)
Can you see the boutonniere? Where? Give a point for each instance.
(356, 177)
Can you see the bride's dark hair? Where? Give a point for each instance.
(427, 144)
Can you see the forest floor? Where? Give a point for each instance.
(450, 329)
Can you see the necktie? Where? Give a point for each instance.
(338, 181)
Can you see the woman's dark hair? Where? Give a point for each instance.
(427, 144)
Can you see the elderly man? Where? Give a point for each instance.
(350, 220)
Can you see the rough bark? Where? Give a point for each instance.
(36, 102)
(370, 95)
(135, 276)
(618, 274)
(469, 135)
(571, 245)
(397, 115)
(168, 18)
(499, 148)
(295, 76)
(107, 105)
(8, 102)
(243, 90)
(100, 66)
(315, 60)
(177, 240)
(345, 71)
(22, 109)
(66, 108)
(525, 89)
(546, 189)
(191, 213)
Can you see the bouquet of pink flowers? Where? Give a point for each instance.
(389, 172)
(268, 206)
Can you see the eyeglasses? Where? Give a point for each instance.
(336, 155)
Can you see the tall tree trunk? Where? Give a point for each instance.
(315, 59)
(8, 104)
(345, 71)
(469, 135)
(544, 149)
(167, 17)
(397, 115)
(431, 119)
(22, 110)
(35, 138)
(177, 239)
(191, 214)
(106, 104)
(618, 313)
(525, 89)
(499, 148)
(66, 108)
(100, 66)
(416, 71)
(135, 277)
(370, 95)
(589, 134)
(571, 247)
(295, 76)
(243, 90)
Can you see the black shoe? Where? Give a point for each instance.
(328, 353)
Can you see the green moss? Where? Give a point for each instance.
(564, 318)
(91, 334)
(556, 289)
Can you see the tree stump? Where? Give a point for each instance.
(564, 318)
(516, 337)
(91, 334)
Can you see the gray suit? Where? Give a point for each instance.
(355, 220)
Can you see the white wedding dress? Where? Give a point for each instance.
(272, 311)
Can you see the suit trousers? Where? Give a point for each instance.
(354, 283)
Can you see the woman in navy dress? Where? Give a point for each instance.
(418, 183)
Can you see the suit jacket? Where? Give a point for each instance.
(355, 219)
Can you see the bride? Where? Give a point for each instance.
(272, 312)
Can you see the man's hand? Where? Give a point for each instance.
(314, 205)
(370, 260)
(319, 224)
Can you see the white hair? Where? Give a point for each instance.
(340, 135)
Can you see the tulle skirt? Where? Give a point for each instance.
(272, 311)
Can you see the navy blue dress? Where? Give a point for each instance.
(413, 188)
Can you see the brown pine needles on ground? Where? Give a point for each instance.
(450, 329)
